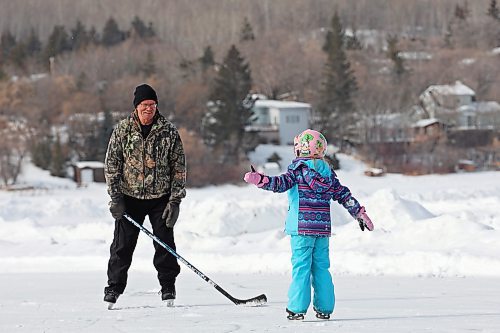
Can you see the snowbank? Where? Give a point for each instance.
(444, 225)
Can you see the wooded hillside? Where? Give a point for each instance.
(89, 55)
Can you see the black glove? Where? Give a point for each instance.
(171, 213)
(117, 207)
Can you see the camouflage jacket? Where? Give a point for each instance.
(145, 168)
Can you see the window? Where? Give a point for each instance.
(471, 121)
(261, 116)
(292, 119)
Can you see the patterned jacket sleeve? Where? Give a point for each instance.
(113, 165)
(343, 196)
(281, 183)
(178, 167)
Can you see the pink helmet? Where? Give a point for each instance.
(310, 143)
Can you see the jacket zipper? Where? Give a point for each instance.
(143, 167)
(144, 141)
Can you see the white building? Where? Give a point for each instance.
(456, 105)
(280, 121)
(446, 97)
(484, 115)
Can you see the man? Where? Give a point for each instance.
(146, 175)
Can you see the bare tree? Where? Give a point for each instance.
(13, 149)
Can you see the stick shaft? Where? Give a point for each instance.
(188, 264)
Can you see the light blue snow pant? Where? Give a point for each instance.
(310, 264)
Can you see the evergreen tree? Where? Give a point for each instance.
(111, 33)
(7, 43)
(224, 125)
(462, 12)
(41, 152)
(93, 36)
(151, 30)
(18, 55)
(33, 44)
(58, 162)
(105, 130)
(79, 36)
(336, 108)
(493, 10)
(246, 33)
(140, 29)
(207, 59)
(58, 42)
(393, 54)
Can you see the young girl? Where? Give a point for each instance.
(311, 184)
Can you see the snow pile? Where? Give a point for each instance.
(438, 225)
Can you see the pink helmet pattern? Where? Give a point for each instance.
(310, 143)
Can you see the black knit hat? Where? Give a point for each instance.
(144, 92)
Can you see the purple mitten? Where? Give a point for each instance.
(364, 220)
(256, 179)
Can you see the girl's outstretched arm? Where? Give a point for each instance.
(278, 184)
(343, 196)
(281, 183)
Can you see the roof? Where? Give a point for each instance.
(426, 122)
(416, 55)
(389, 120)
(89, 164)
(281, 104)
(481, 107)
(457, 89)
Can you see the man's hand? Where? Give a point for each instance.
(171, 213)
(117, 207)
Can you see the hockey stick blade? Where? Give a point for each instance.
(258, 300)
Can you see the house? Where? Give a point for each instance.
(86, 172)
(447, 125)
(479, 115)
(279, 122)
(456, 106)
(439, 98)
(427, 129)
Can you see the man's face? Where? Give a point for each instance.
(146, 111)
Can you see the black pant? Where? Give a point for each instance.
(125, 240)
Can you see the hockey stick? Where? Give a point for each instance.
(258, 300)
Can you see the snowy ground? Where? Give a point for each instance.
(70, 302)
(431, 265)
